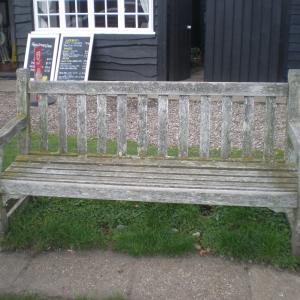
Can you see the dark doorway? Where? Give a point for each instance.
(179, 39)
(198, 40)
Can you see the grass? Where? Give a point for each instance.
(142, 229)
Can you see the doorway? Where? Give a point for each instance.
(186, 39)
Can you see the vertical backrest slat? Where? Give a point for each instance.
(101, 123)
(43, 111)
(163, 107)
(122, 124)
(1, 158)
(81, 125)
(248, 126)
(142, 124)
(205, 127)
(269, 128)
(23, 108)
(62, 123)
(184, 126)
(226, 126)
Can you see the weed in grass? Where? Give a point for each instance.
(250, 234)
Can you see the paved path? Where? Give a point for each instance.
(7, 85)
(102, 273)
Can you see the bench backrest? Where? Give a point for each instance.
(203, 94)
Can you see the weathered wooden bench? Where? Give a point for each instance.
(244, 182)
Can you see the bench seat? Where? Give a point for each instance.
(153, 180)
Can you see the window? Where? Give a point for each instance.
(47, 14)
(98, 16)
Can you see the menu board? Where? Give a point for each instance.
(74, 57)
(49, 45)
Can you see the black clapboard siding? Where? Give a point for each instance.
(23, 16)
(294, 35)
(243, 40)
(124, 57)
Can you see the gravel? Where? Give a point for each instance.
(8, 110)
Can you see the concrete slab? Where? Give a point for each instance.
(11, 266)
(269, 284)
(94, 274)
(194, 277)
(7, 85)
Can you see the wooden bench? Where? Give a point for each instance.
(198, 180)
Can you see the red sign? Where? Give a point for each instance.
(38, 63)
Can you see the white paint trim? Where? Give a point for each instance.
(43, 36)
(91, 21)
(87, 70)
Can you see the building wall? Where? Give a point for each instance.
(115, 57)
(294, 35)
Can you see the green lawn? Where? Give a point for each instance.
(141, 229)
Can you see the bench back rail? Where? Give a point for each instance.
(269, 93)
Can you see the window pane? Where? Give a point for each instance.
(143, 21)
(112, 5)
(83, 21)
(130, 21)
(143, 6)
(54, 21)
(53, 7)
(43, 21)
(42, 7)
(82, 6)
(112, 21)
(71, 21)
(70, 6)
(130, 6)
(99, 6)
(100, 21)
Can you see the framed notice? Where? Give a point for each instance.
(49, 45)
(74, 57)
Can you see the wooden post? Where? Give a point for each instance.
(293, 111)
(3, 216)
(23, 108)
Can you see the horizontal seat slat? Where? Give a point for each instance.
(150, 182)
(152, 194)
(148, 162)
(156, 170)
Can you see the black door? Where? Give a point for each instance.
(179, 39)
(245, 40)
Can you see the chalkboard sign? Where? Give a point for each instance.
(49, 45)
(74, 57)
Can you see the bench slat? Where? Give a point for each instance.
(163, 103)
(122, 124)
(151, 194)
(101, 123)
(142, 125)
(205, 127)
(81, 125)
(269, 128)
(62, 123)
(184, 126)
(43, 112)
(226, 127)
(248, 126)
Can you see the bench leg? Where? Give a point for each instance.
(296, 232)
(3, 216)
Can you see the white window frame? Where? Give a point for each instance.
(91, 15)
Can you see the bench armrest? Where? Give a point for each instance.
(294, 134)
(10, 129)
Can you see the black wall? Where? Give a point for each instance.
(245, 40)
(23, 14)
(294, 35)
